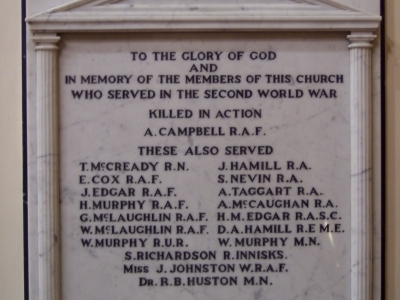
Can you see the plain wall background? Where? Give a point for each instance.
(11, 231)
(11, 241)
(392, 59)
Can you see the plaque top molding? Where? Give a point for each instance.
(173, 15)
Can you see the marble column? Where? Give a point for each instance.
(48, 166)
(361, 171)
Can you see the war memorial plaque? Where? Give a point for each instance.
(184, 152)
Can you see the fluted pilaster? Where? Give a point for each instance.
(48, 166)
(361, 166)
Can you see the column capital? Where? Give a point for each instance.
(46, 41)
(361, 39)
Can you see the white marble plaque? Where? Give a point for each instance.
(205, 167)
(203, 151)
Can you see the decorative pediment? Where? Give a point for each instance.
(134, 15)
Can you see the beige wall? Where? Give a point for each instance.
(393, 149)
(11, 244)
(11, 254)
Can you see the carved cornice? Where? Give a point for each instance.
(117, 16)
